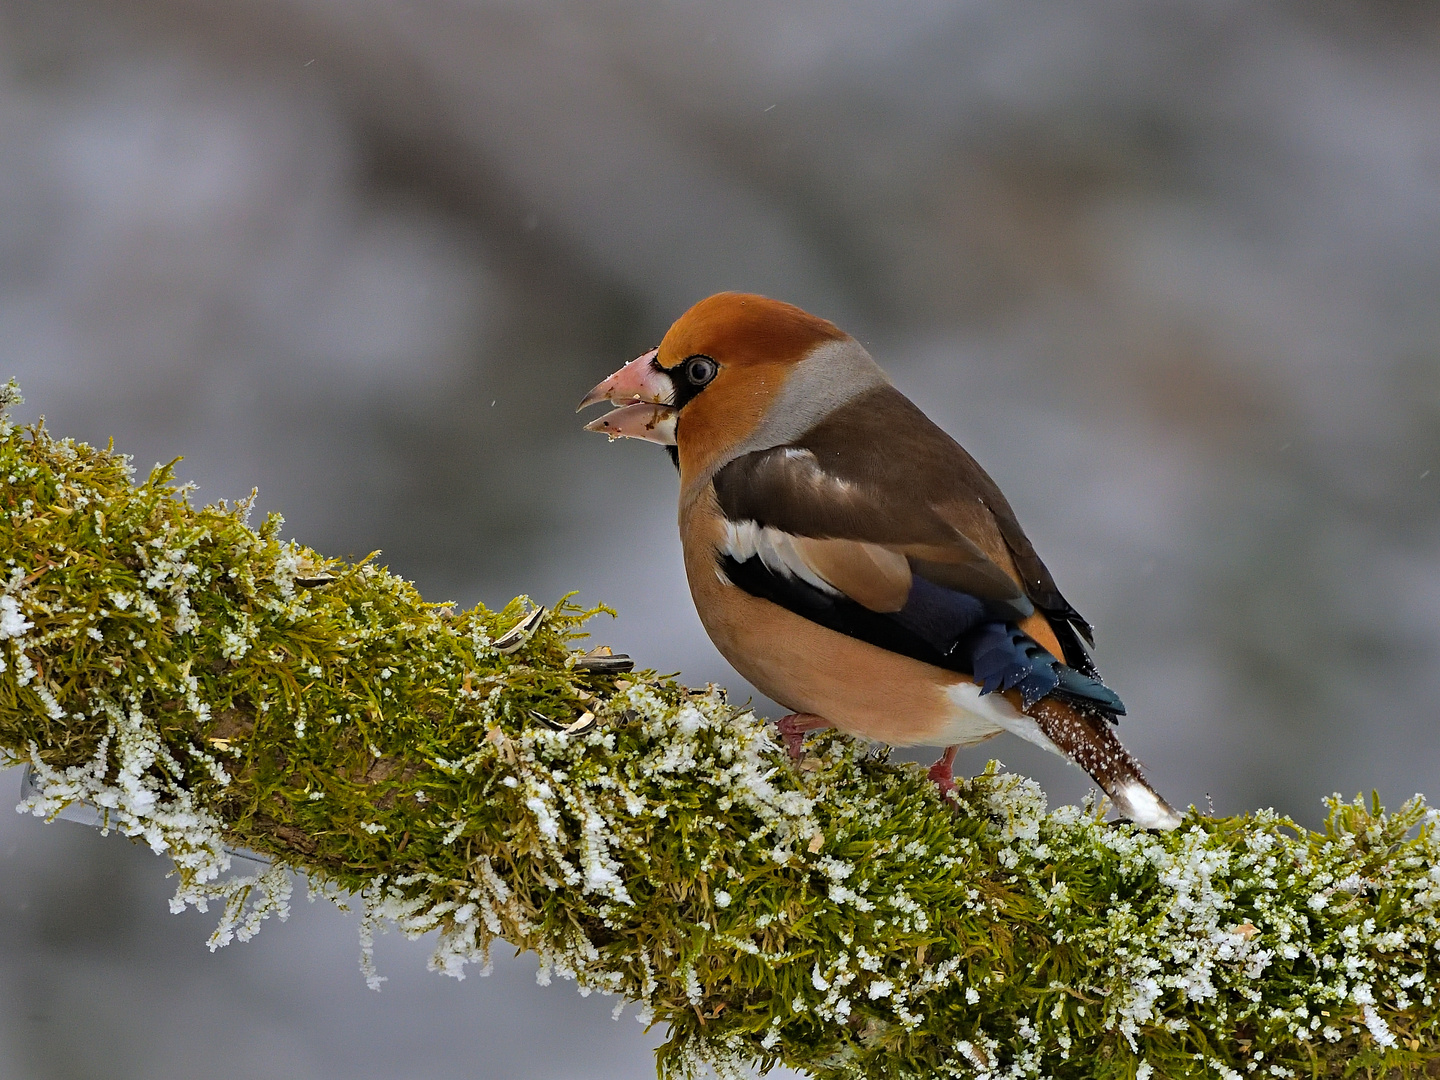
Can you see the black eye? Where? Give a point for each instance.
(699, 370)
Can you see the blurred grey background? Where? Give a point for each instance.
(1169, 270)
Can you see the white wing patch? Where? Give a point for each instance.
(745, 540)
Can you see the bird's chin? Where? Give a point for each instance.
(643, 420)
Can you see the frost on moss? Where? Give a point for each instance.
(207, 684)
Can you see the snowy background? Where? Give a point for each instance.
(1170, 271)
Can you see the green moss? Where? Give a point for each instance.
(209, 684)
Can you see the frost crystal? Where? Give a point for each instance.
(12, 623)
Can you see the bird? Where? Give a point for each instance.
(851, 560)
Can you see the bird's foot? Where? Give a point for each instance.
(793, 729)
(943, 777)
(943, 772)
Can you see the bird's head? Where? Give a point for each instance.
(735, 373)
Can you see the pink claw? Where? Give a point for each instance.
(793, 728)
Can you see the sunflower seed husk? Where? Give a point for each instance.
(613, 664)
(585, 723)
(553, 725)
(520, 633)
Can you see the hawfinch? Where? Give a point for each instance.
(851, 560)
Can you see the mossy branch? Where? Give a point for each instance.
(207, 684)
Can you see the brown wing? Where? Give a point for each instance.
(877, 471)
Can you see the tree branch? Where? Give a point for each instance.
(205, 684)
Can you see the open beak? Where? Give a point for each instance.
(642, 393)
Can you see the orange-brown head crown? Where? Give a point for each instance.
(744, 330)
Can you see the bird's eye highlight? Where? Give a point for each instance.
(699, 370)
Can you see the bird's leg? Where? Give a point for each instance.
(943, 771)
(793, 728)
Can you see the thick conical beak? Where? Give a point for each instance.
(642, 420)
(643, 393)
(638, 380)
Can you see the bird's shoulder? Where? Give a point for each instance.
(875, 469)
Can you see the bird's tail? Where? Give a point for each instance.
(1089, 741)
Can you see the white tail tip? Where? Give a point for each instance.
(1142, 806)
